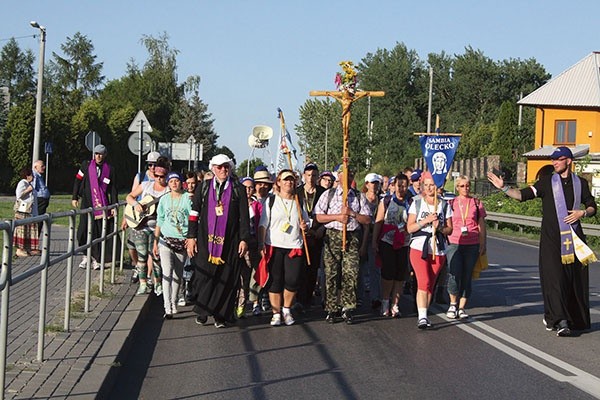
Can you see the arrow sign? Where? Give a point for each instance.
(140, 121)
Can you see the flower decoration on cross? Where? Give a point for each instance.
(346, 80)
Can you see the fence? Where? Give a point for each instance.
(536, 222)
(7, 280)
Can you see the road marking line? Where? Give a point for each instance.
(580, 379)
(509, 269)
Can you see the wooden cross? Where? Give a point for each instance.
(346, 97)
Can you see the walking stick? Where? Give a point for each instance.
(288, 154)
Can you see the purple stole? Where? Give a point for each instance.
(217, 224)
(567, 248)
(98, 186)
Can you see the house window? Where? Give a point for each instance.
(565, 132)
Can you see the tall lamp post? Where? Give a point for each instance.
(38, 103)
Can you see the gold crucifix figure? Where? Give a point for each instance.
(346, 95)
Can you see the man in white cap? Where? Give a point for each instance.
(96, 187)
(218, 233)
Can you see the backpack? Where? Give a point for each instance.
(331, 192)
(477, 204)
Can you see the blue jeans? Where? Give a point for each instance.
(461, 261)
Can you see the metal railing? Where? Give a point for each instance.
(536, 222)
(7, 280)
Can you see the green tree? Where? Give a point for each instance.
(192, 118)
(248, 170)
(20, 129)
(16, 71)
(503, 139)
(76, 75)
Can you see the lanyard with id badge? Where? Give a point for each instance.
(286, 227)
(219, 206)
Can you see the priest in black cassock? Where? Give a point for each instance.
(564, 257)
(218, 233)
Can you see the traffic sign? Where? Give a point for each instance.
(48, 147)
(134, 143)
(140, 121)
(92, 139)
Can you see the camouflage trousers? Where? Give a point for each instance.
(341, 269)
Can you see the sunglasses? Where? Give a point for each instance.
(151, 165)
(159, 176)
(224, 166)
(466, 185)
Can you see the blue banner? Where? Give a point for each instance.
(439, 152)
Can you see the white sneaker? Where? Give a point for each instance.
(396, 311)
(451, 313)
(158, 289)
(288, 319)
(83, 263)
(173, 309)
(276, 319)
(95, 264)
(181, 302)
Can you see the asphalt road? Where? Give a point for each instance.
(503, 352)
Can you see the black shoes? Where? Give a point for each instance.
(201, 320)
(331, 316)
(347, 316)
(562, 329)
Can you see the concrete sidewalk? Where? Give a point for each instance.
(77, 364)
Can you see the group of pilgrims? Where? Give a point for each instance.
(274, 243)
(283, 243)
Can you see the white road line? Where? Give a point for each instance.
(516, 242)
(509, 269)
(580, 379)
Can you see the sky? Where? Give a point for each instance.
(255, 56)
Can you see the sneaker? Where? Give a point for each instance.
(158, 289)
(347, 316)
(174, 309)
(562, 329)
(134, 276)
(462, 314)
(220, 324)
(142, 289)
(181, 302)
(256, 310)
(423, 323)
(288, 319)
(83, 263)
(276, 320)
(95, 265)
(451, 313)
(201, 320)
(396, 311)
(385, 308)
(265, 304)
(330, 318)
(240, 311)
(168, 316)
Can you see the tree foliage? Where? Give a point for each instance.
(468, 92)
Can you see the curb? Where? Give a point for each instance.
(99, 379)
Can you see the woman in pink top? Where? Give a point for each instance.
(467, 242)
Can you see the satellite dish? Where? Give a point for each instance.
(262, 132)
(256, 143)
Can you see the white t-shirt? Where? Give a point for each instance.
(282, 223)
(422, 212)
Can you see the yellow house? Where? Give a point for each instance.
(568, 114)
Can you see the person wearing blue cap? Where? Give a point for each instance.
(564, 256)
(172, 217)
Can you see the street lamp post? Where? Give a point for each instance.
(38, 103)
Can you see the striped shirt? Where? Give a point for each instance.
(358, 204)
